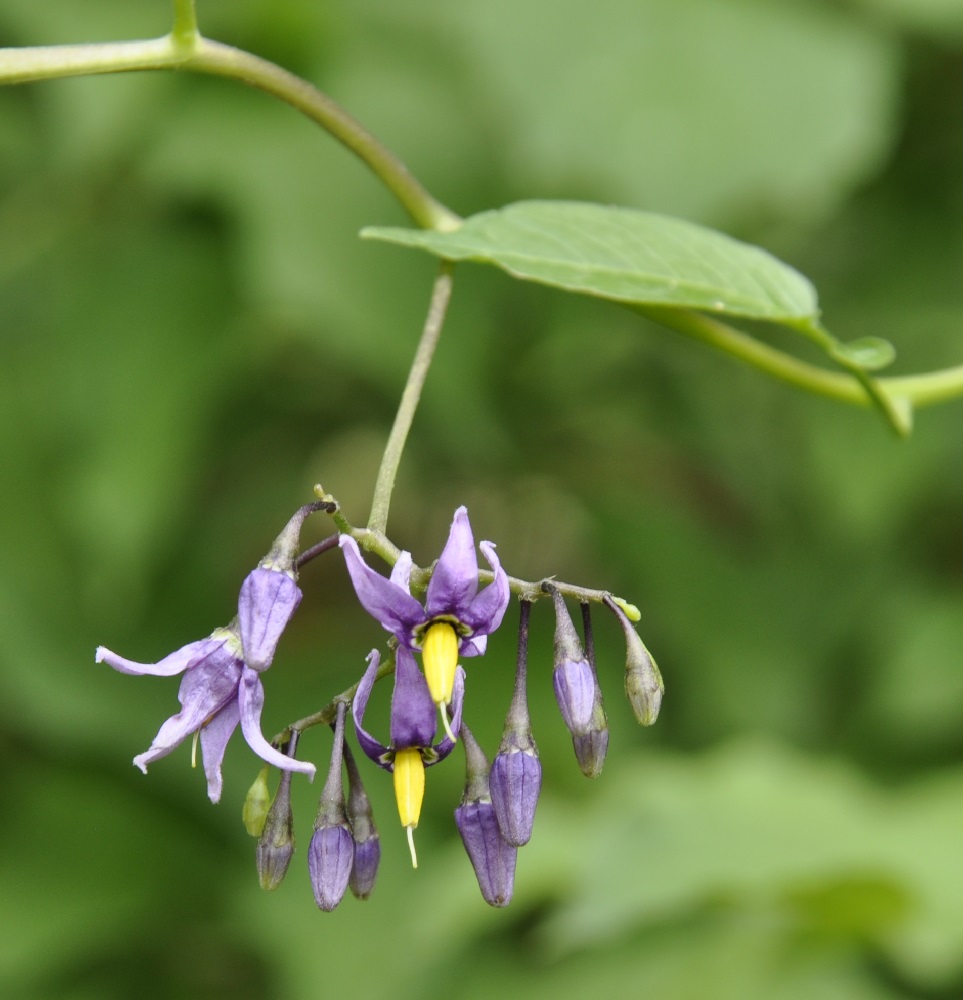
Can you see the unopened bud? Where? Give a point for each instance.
(515, 779)
(643, 682)
(275, 848)
(256, 804)
(491, 856)
(331, 851)
(367, 843)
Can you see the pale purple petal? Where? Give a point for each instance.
(368, 743)
(214, 739)
(487, 609)
(174, 663)
(204, 691)
(454, 581)
(251, 698)
(413, 713)
(268, 599)
(392, 605)
(446, 746)
(473, 647)
(401, 572)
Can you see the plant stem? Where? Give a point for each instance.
(185, 49)
(388, 471)
(920, 390)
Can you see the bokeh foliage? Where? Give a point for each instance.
(192, 335)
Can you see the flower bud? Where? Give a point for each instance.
(592, 745)
(275, 848)
(330, 858)
(492, 857)
(331, 851)
(367, 843)
(643, 682)
(515, 779)
(256, 804)
(574, 677)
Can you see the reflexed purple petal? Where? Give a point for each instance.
(267, 601)
(369, 744)
(515, 781)
(214, 739)
(446, 746)
(486, 611)
(204, 691)
(454, 581)
(396, 610)
(492, 858)
(251, 698)
(174, 663)
(574, 684)
(413, 713)
(401, 572)
(364, 870)
(330, 858)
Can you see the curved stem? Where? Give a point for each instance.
(185, 49)
(924, 389)
(387, 473)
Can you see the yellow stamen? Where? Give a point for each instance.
(409, 775)
(440, 655)
(194, 748)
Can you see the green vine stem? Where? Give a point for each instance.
(185, 49)
(916, 390)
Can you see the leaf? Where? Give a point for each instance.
(624, 255)
(869, 353)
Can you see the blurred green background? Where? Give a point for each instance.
(191, 336)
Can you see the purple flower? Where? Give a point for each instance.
(221, 685)
(412, 726)
(456, 617)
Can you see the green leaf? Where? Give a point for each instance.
(623, 255)
(869, 353)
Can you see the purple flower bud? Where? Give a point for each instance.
(515, 779)
(591, 746)
(330, 857)
(364, 870)
(515, 782)
(367, 844)
(492, 858)
(574, 682)
(331, 852)
(275, 846)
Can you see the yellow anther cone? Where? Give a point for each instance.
(409, 775)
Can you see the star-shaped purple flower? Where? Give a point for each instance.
(456, 617)
(452, 594)
(221, 685)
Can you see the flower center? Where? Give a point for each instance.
(409, 776)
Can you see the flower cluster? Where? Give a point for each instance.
(221, 689)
